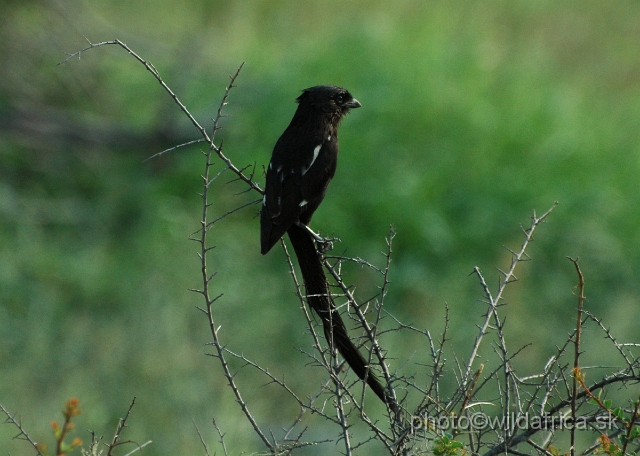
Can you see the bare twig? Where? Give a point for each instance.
(139, 448)
(206, 278)
(630, 426)
(628, 356)
(22, 433)
(576, 355)
(221, 435)
(508, 277)
(122, 423)
(203, 132)
(171, 149)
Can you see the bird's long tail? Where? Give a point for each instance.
(320, 301)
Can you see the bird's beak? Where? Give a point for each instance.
(353, 104)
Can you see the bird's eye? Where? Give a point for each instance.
(340, 98)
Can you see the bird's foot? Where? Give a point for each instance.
(323, 244)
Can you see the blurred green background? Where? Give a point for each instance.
(475, 114)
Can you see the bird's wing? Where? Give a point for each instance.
(284, 200)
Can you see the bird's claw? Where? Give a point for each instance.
(323, 244)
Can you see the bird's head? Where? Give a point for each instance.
(328, 99)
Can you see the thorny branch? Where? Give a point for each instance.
(122, 423)
(22, 433)
(507, 278)
(576, 355)
(431, 402)
(206, 278)
(203, 132)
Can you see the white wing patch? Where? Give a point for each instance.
(316, 151)
(303, 203)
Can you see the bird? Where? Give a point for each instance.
(302, 164)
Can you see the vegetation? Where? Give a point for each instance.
(474, 114)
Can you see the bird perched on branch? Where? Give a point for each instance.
(303, 162)
(302, 165)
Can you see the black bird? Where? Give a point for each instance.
(302, 165)
(303, 162)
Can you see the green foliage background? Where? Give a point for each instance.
(474, 114)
